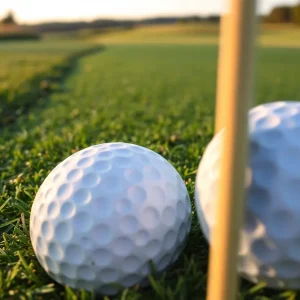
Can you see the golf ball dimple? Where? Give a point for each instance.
(269, 248)
(105, 212)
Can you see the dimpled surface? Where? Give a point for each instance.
(103, 213)
(269, 249)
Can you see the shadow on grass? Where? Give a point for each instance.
(41, 86)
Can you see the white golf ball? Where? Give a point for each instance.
(269, 249)
(105, 212)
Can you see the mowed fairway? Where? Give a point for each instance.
(158, 96)
(24, 65)
(270, 35)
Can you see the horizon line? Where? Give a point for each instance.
(116, 18)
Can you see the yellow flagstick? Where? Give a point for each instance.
(222, 73)
(234, 98)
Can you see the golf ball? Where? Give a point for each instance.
(269, 249)
(104, 213)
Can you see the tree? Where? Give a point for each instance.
(296, 14)
(9, 19)
(280, 14)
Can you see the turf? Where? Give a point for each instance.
(269, 35)
(30, 70)
(158, 96)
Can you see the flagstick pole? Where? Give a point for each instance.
(234, 98)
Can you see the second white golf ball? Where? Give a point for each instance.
(270, 237)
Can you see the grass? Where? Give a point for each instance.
(163, 34)
(270, 35)
(158, 96)
(30, 70)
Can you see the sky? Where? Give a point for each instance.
(33, 11)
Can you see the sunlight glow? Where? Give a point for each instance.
(32, 11)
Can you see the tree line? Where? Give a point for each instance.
(9, 19)
(284, 14)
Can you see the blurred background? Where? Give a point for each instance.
(38, 20)
(38, 39)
